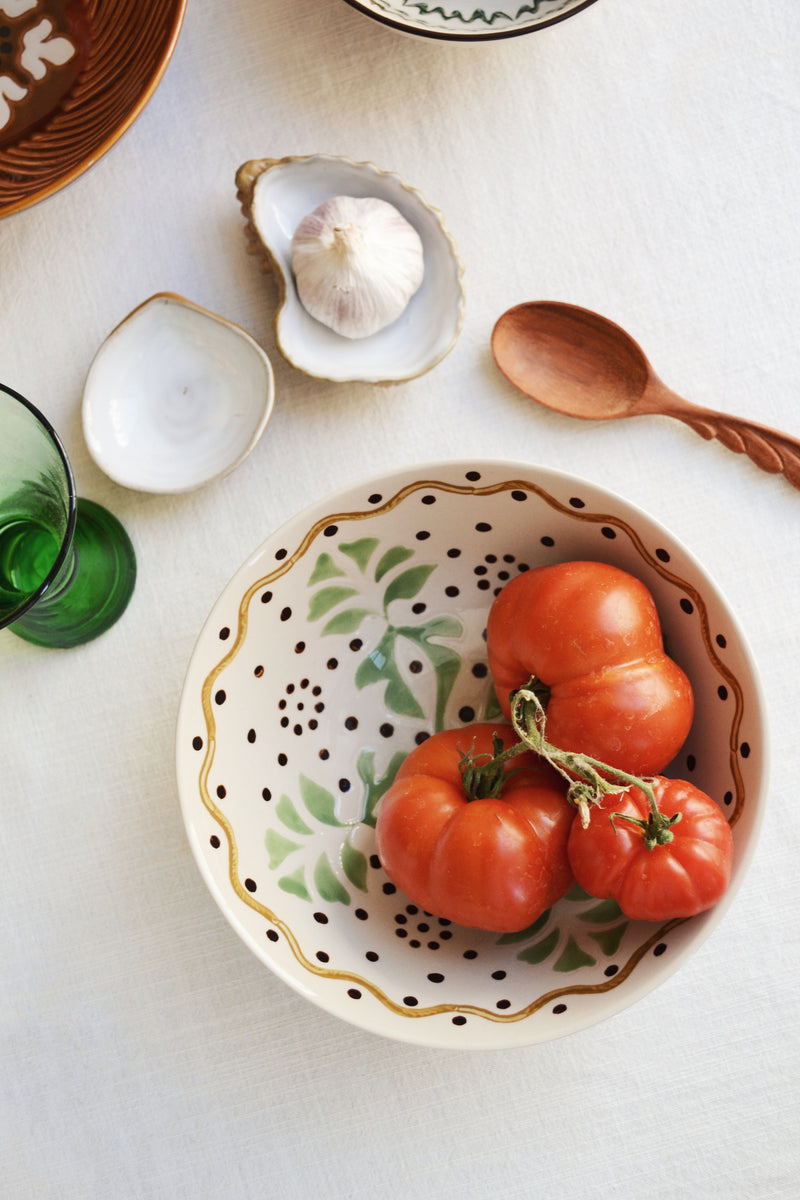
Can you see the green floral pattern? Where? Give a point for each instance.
(319, 808)
(380, 665)
(545, 938)
(283, 757)
(334, 601)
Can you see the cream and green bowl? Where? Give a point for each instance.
(464, 22)
(353, 632)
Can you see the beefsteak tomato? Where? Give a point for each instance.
(591, 633)
(488, 861)
(675, 863)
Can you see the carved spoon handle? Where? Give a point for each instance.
(772, 451)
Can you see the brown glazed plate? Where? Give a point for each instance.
(74, 75)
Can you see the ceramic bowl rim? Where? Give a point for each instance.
(450, 36)
(426, 474)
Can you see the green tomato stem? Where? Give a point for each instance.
(483, 775)
(590, 780)
(656, 830)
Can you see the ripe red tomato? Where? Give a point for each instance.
(591, 633)
(487, 863)
(683, 877)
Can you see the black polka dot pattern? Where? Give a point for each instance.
(305, 717)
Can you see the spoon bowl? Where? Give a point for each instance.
(578, 363)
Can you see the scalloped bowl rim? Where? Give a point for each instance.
(684, 937)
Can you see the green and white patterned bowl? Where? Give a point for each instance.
(462, 22)
(352, 633)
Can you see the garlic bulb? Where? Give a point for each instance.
(357, 262)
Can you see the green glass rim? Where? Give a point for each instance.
(66, 541)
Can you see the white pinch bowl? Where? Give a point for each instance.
(175, 397)
(352, 633)
(463, 21)
(275, 195)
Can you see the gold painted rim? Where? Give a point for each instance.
(290, 561)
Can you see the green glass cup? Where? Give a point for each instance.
(67, 566)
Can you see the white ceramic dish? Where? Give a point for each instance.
(275, 195)
(466, 22)
(357, 628)
(175, 397)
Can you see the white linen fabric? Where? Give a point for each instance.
(639, 159)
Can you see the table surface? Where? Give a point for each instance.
(640, 160)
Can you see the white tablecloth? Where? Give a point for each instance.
(639, 159)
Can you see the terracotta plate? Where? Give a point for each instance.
(74, 74)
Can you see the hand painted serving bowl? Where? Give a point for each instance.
(352, 633)
(73, 77)
(275, 195)
(461, 21)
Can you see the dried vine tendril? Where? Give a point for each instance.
(589, 780)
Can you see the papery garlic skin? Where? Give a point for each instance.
(357, 262)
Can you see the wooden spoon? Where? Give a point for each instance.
(581, 364)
